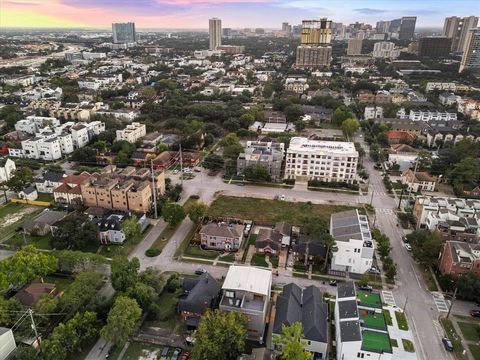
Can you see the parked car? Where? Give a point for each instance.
(176, 354)
(374, 270)
(404, 239)
(333, 282)
(282, 197)
(200, 271)
(197, 170)
(447, 343)
(365, 288)
(475, 313)
(240, 184)
(408, 247)
(164, 353)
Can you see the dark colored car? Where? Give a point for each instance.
(333, 282)
(475, 313)
(365, 288)
(165, 351)
(176, 354)
(404, 239)
(447, 343)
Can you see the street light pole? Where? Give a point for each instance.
(405, 305)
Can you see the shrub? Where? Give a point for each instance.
(152, 252)
(289, 181)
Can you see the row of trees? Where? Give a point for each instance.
(384, 250)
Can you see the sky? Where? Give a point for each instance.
(194, 14)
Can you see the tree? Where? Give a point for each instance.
(75, 233)
(341, 114)
(365, 279)
(424, 160)
(293, 112)
(350, 126)
(81, 292)
(468, 169)
(426, 246)
(122, 320)
(124, 273)
(9, 309)
(147, 93)
(230, 139)
(121, 159)
(153, 278)
(229, 340)
(26, 265)
(144, 295)
(257, 172)
(291, 344)
(173, 214)
(196, 210)
(213, 162)
(71, 337)
(131, 229)
(21, 178)
(268, 89)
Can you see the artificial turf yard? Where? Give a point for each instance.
(369, 299)
(376, 342)
(374, 321)
(262, 210)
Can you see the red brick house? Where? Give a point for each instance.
(164, 160)
(398, 136)
(457, 258)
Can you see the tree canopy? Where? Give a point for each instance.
(75, 233)
(122, 320)
(173, 213)
(291, 344)
(196, 210)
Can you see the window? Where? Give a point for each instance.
(229, 294)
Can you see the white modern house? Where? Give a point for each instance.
(373, 112)
(353, 242)
(132, 132)
(247, 289)
(7, 343)
(7, 168)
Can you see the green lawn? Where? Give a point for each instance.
(369, 299)
(388, 317)
(45, 197)
(197, 251)
(168, 304)
(40, 242)
(376, 321)
(475, 350)
(376, 342)
(164, 236)
(408, 345)
(252, 239)
(6, 213)
(228, 258)
(259, 260)
(394, 342)
(470, 331)
(61, 283)
(454, 337)
(262, 210)
(274, 260)
(10, 208)
(401, 320)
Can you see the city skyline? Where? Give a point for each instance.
(193, 14)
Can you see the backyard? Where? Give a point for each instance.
(375, 321)
(376, 342)
(12, 216)
(262, 210)
(369, 299)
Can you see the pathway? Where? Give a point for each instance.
(465, 343)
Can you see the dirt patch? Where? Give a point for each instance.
(11, 219)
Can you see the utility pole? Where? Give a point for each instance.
(405, 305)
(451, 303)
(371, 198)
(374, 221)
(34, 327)
(154, 190)
(181, 166)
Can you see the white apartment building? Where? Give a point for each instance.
(321, 160)
(132, 132)
(385, 50)
(373, 112)
(82, 133)
(7, 168)
(444, 86)
(33, 124)
(426, 115)
(353, 241)
(48, 148)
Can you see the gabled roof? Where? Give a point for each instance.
(222, 230)
(201, 294)
(306, 307)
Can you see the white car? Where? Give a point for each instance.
(282, 197)
(408, 247)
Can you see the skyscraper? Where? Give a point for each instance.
(124, 33)
(407, 28)
(382, 27)
(457, 28)
(215, 32)
(471, 54)
(354, 47)
(315, 49)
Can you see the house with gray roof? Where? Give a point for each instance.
(43, 223)
(201, 294)
(221, 236)
(307, 307)
(269, 241)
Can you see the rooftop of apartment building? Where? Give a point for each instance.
(348, 225)
(336, 147)
(443, 202)
(464, 252)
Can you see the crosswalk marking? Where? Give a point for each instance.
(388, 298)
(385, 211)
(440, 302)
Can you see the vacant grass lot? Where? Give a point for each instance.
(454, 337)
(475, 350)
(470, 331)
(263, 210)
(13, 216)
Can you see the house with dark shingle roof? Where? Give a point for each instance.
(307, 307)
(201, 294)
(49, 181)
(269, 241)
